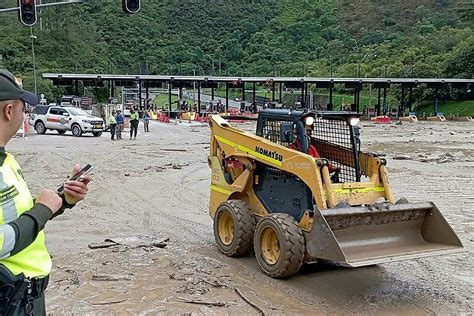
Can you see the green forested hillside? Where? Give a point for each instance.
(370, 38)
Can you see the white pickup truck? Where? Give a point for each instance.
(63, 119)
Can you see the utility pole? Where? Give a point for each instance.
(33, 53)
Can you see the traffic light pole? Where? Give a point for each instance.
(45, 5)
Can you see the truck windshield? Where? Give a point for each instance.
(78, 112)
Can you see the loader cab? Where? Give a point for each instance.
(335, 135)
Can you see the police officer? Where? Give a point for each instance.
(25, 263)
(134, 121)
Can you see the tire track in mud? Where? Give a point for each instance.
(157, 216)
(198, 200)
(146, 215)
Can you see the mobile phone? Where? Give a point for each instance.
(87, 169)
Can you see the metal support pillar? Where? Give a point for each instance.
(212, 93)
(355, 99)
(280, 93)
(180, 93)
(112, 87)
(436, 103)
(401, 108)
(377, 107)
(199, 97)
(410, 100)
(226, 97)
(139, 95)
(254, 97)
(356, 105)
(306, 103)
(147, 97)
(330, 107)
(302, 96)
(169, 99)
(76, 87)
(273, 91)
(243, 91)
(385, 105)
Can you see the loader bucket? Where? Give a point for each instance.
(361, 236)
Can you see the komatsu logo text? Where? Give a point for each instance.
(269, 153)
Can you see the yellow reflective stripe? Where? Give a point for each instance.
(249, 151)
(7, 241)
(8, 207)
(2, 238)
(225, 141)
(220, 190)
(361, 190)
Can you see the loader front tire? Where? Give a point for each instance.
(234, 226)
(279, 245)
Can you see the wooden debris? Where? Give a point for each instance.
(131, 242)
(100, 245)
(110, 302)
(215, 283)
(156, 244)
(401, 157)
(200, 302)
(174, 149)
(106, 277)
(255, 306)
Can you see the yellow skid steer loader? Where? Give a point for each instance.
(300, 190)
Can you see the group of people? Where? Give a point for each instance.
(117, 120)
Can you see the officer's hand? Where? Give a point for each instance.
(51, 199)
(75, 191)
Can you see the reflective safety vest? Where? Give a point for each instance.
(112, 119)
(15, 199)
(134, 116)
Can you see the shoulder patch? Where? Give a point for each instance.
(21, 174)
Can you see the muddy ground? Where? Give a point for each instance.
(145, 188)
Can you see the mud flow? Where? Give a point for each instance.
(157, 189)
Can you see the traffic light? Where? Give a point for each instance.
(27, 13)
(131, 6)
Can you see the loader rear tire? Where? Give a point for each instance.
(234, 226)
(279, 245)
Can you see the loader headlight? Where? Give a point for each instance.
(354, 120)
(309, 120)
